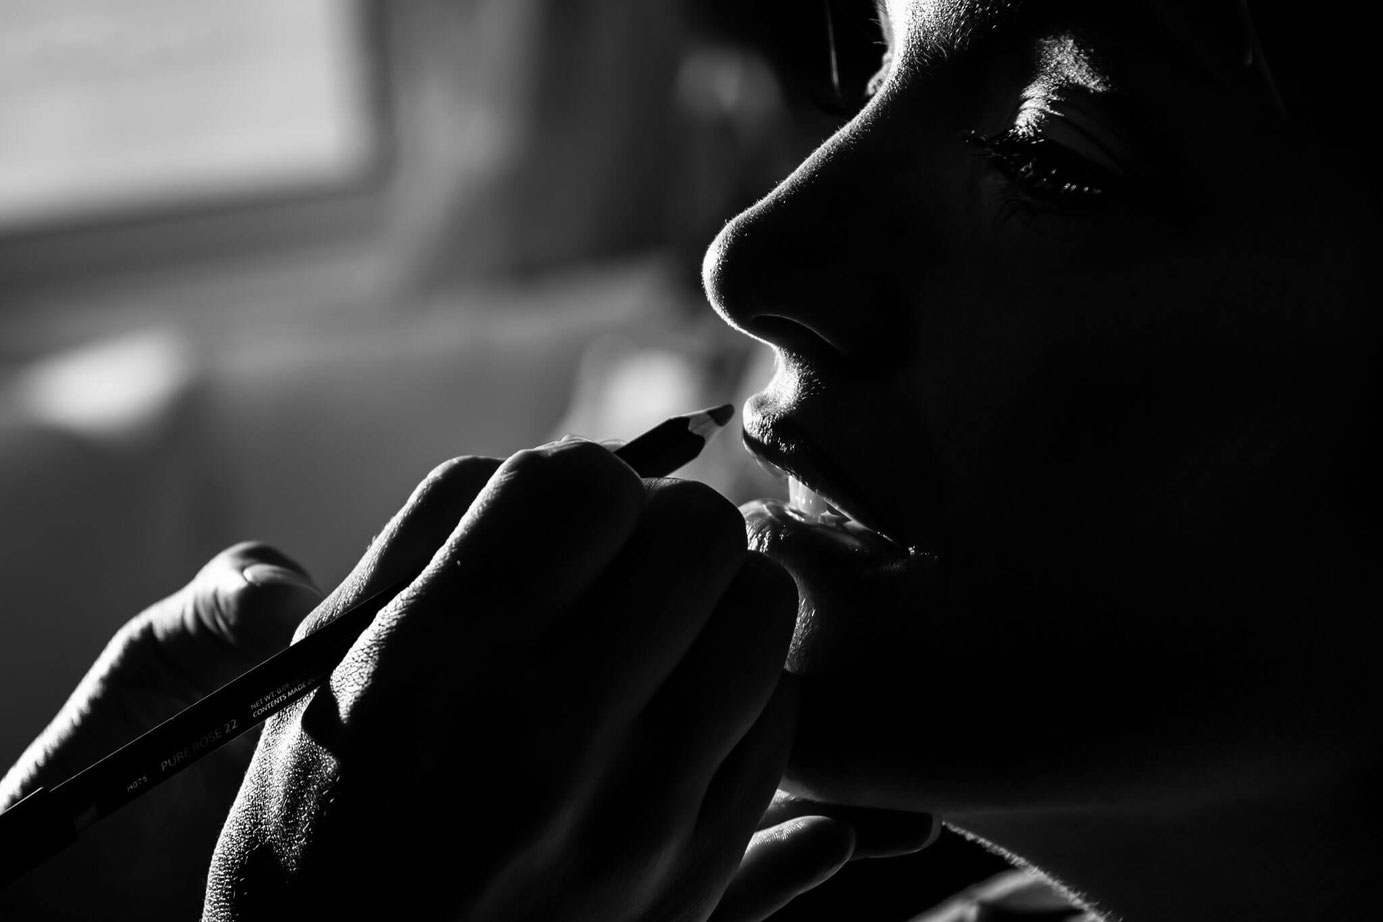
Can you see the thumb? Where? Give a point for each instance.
(878, 833)
(240, 609)
(783, 862)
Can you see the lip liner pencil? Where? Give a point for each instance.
(46, 821)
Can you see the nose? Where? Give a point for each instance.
(814, 267)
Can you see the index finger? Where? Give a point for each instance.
(538, 534)
(411, 537)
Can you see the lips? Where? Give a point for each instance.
(808, 507)
(819, 493)
(857, 532)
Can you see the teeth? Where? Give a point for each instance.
(805, 502)
(810, 506)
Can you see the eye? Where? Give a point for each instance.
(1041, 172)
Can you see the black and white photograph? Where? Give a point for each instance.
(690, 461)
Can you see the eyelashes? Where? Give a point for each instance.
(1041, 176)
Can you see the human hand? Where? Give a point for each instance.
(802, 844)
(576, 711)
(149, 859)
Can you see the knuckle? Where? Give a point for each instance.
(569, 455)
(443, 495)
(244, 553)
(581, 476)
(529, 464)
(221, 574)
(465, 468)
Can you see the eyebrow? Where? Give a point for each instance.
(955, 37)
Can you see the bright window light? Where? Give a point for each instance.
(117, 107)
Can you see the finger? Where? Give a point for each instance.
(540, 532)
(783, 862)
(878, 833)
(782, 808)
(608, 444)
(742, 787)
(411, 538)
(541, 528)
(240, 609)
(644, 613)
(720, 688)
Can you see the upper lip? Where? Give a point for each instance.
(786, 445)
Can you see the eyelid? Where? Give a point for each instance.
(1109, 128)
(1084, 137)
(1040, 173)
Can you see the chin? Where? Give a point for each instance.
(905, 704)
(861, 652)
(889, 698)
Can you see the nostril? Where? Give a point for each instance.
(780, 275)
(758, 291)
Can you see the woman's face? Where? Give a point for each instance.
(1066, 311)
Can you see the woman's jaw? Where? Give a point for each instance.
(857, 526)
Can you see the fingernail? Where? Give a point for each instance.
(268, 574)
(934, 833)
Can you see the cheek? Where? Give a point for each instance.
(1100, 407)
(1097, 414)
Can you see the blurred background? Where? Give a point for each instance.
(264, 264)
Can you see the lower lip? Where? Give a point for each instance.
(804, 546)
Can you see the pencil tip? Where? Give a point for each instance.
(708, 422)
(722, 415)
